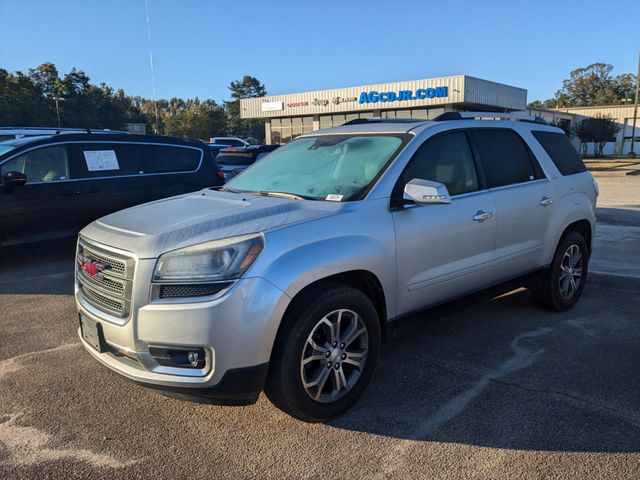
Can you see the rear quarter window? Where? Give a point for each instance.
(561, 152)
(166, 158)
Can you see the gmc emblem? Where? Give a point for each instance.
(91, 267)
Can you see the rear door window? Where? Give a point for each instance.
(562, 153)
(505, 157)
(42, 165)
(108, 159)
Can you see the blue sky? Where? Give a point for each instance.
(199, 47)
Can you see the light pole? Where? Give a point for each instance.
(56, 99)
(632, 153)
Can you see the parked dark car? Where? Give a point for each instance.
(234, 160)
(54, 185)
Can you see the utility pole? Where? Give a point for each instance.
(632, 153)
(56, 99)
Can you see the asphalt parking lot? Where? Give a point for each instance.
(494, 390)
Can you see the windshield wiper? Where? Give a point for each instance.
(292, 196)
(235, 190)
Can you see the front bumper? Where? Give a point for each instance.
(236, 329)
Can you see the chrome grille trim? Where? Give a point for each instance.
(103, 302)
(110, 291)
(118, 267)
(106, 285)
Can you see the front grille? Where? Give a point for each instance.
(116, 287)
(103, 302)
(118, 267)
(108, 289)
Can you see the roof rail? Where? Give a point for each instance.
(516, 117)
(358, 121)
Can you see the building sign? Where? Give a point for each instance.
(271, 106)
(403, 95)
(320, 102)
(339, 100)
(298, 104)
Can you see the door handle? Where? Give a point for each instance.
(546, 201)
(481, 216)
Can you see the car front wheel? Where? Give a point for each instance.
(325, 353)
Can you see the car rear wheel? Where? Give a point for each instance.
(325, 353)
(563, 283)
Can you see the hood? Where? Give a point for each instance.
(157, 227)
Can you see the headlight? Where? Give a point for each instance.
(219, 260)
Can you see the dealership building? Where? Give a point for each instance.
(287, 116)
(290, 115)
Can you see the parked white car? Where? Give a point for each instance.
(287, 278)
(229, 141)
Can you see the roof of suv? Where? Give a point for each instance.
(405, 125)
(380, 126)
(115, 137)
(28, 142)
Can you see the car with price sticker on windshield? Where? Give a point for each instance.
(52, 185)
(288, 278)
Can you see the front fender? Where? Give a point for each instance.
(360, 237)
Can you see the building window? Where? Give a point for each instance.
(307, 124)
(420, 113)
(325, 121)
(338, 120)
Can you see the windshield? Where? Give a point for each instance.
(327, 167)
(5, 148)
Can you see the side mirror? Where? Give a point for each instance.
(14, 179)
(426, 192)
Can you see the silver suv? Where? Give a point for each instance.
(287, 278)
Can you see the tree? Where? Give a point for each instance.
(565, 126)
(592, 85)
(597, 130)
(248, 87)
(194, 119)
(22, 102)
(28, 100)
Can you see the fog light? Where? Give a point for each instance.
(181, 358)
(193, 358)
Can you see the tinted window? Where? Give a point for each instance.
(235, 159)
(229, 141)
(505, 157)
(446, 159)
(559, 148)
(50, 164)
(113, 159)
(109, 159)
(162, 159)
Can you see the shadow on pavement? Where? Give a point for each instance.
(38, 268)
(507, 374)
(620, 216)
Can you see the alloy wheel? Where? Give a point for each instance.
(334, 355)
(571, 267)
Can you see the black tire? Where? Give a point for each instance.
(550, 295)
(284, 386)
